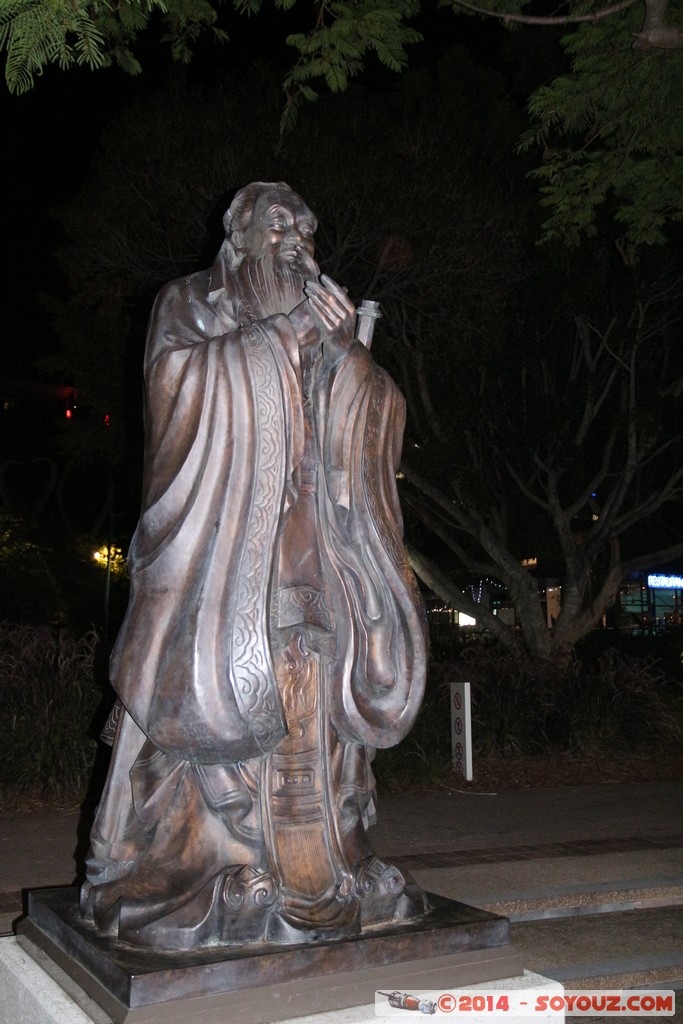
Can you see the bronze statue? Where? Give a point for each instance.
(275, 634)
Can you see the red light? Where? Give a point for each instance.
(69, 414)
(107, 421)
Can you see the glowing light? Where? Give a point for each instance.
(658, 582)
(115, 559)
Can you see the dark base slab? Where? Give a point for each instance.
(452, 945)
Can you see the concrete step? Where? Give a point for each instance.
(634, 942)
(617, 924)
(534, 889)
(665, 893)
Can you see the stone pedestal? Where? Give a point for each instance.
(453, 945)
(33, 990)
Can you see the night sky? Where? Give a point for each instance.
(50, 136)
(51, 133)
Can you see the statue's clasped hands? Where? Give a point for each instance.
(334, 314)
(326, 315)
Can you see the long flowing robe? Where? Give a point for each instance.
(232, 429)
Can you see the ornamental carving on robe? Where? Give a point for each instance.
(275, 632)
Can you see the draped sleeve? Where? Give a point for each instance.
(224, 431)
(380, 672)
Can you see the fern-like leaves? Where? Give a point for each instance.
(37, 33)
(335, 50)
(612, 135)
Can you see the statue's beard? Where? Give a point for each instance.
(269, 285)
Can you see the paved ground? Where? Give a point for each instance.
(427, 831)
(591, 876)
(456, 821)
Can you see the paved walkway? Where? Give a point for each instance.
(451, 832)
(456, 821)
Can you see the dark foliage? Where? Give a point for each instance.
(612, 703)
(48, 704)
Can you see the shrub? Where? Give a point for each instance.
(617, 703)
(514, 699)
(665, 648)
(523, 706)
(28, 588)
(48, 700)
(423, 759)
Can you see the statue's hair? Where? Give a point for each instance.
(241, 209)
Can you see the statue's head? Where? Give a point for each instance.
(269, 246)
(268, 219)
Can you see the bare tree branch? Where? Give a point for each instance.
(440, 529)
(653, 558)
(565, 19)
(619, 570)
(598, 477)
(525, 488)
(592, 404)
(643, 510)
(443, 586)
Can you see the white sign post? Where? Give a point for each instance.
(461, 729)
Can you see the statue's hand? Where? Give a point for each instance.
(335, 314)
(305, 324)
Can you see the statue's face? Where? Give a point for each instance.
(280, 226)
